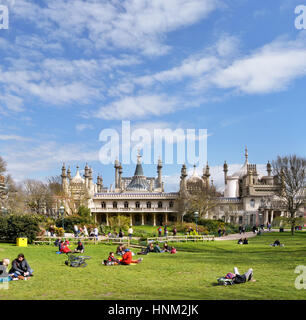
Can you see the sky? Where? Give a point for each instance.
(71, 69)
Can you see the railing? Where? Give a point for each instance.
(137, 210)
(185, 238)
(94, 240)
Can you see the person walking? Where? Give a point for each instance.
(96, 233)
(240, 229)
(130, 232)
(174, 231)
(85, 231)
(166, 231)
(76, 231)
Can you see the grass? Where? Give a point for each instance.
(189, 274)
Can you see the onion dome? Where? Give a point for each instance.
(194, 180)
(77, 178)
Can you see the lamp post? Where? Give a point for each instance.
(62, 212)
(196, 215)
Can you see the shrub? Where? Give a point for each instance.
(19, 226)
(70, 221)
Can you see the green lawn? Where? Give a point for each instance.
(189, 274)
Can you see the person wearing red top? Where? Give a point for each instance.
(127, 258)
(65, 248)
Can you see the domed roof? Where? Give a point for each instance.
(77, 178)
(194, 178)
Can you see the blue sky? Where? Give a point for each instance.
(69, 69)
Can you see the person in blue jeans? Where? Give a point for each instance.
(20, 267)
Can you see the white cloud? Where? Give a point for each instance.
(272, 68)
(6, 137)
(138, 107)
(83, 126)
(130, 24)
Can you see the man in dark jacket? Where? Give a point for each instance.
(20, 267)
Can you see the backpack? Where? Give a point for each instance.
(225, 281)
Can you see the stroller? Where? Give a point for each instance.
(76, 261)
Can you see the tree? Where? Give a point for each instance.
(2, 166)
(203, 201)
(291, 174)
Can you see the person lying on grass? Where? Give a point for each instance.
(237, 278)
(21, 268)
(277, 244)
(79, 248)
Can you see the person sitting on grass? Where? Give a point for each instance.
(120, 249)
(111, 260)
(127, 258)
(166, 248)
(148, 249)
(173, 250)
(4, 276)
(240, 241)
(245, 241)
(157, 248)
(79, 248)
(20, 268)
(277, 244)
(64, 247)
(237, 278)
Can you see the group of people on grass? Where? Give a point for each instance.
(20, 269)
(63, 246)
(243, 241)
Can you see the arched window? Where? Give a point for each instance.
(149, 205)
(137, 205)
(103, 205)
(114, 204)
(160, 204)
(171, 204)
(126, 204)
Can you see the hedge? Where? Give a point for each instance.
(18, 226)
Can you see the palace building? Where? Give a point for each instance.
(248, 197)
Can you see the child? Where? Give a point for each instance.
(173, 250)
(111, 260)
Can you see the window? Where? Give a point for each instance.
(171, 204)
(252, 203)
(114, 204)
(160, 204)
(137, 205)
(149, 205)
(103, 205)
(126, 204)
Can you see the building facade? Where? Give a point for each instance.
(248, 197)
